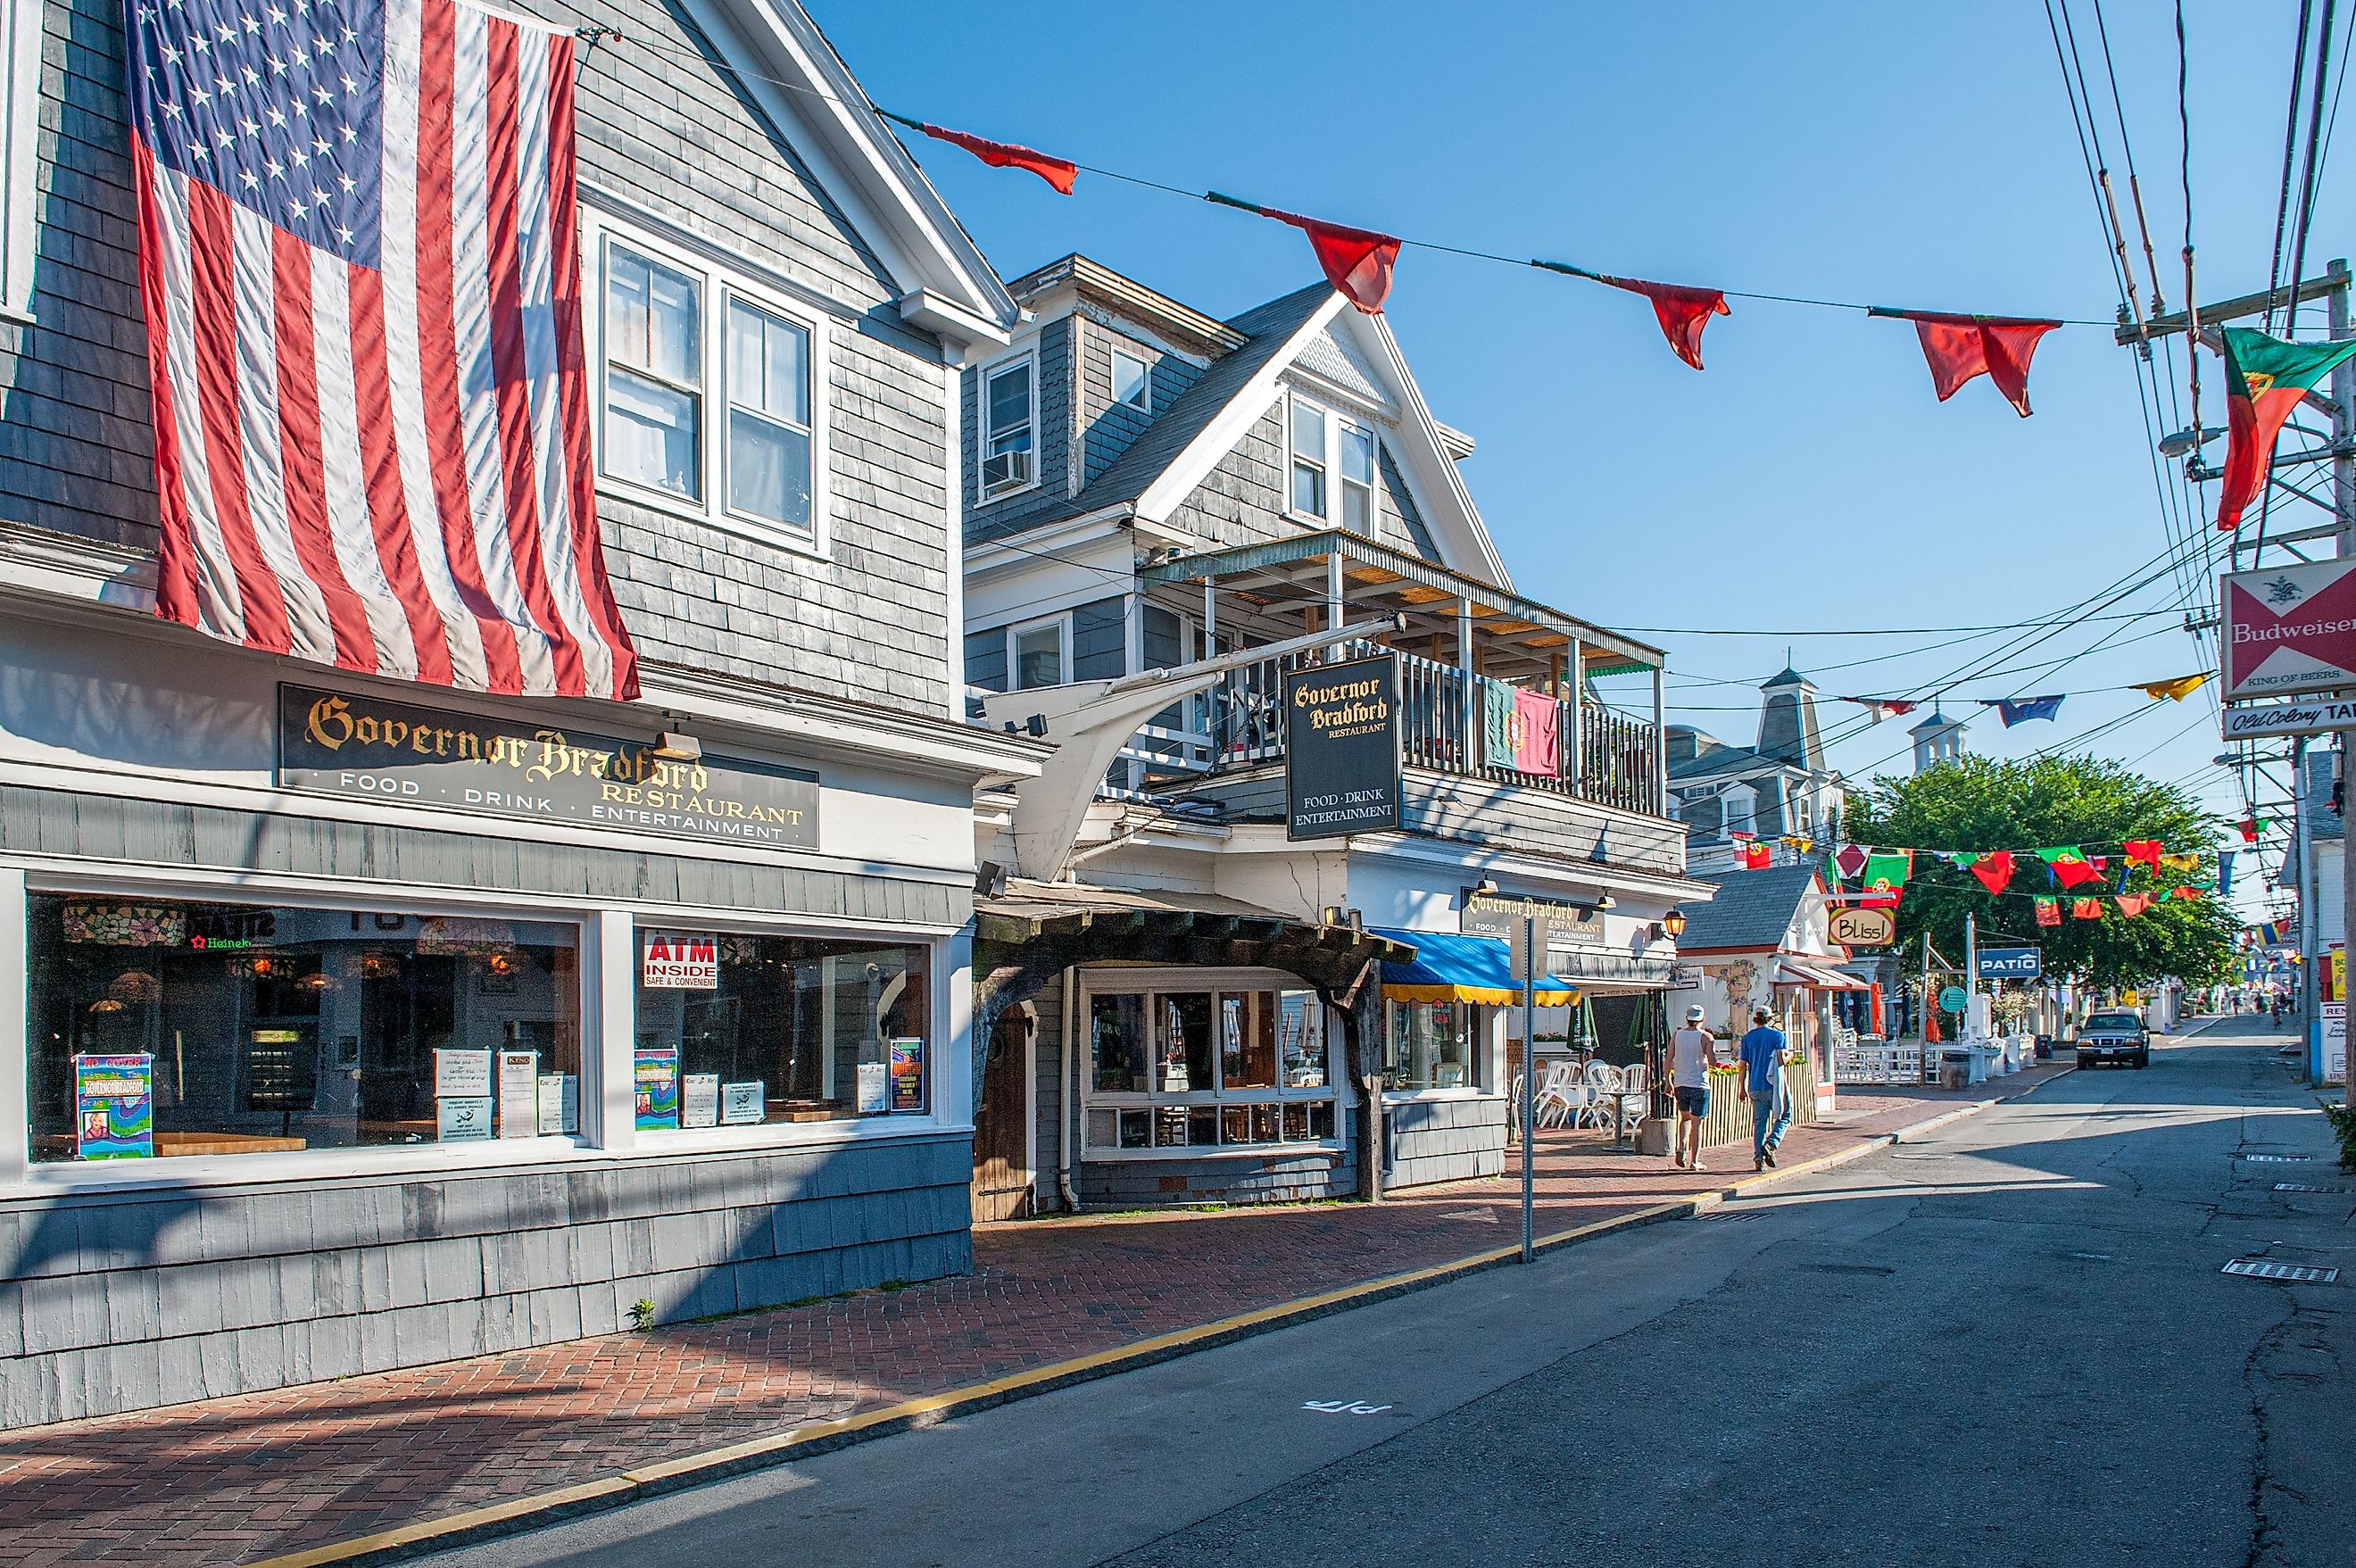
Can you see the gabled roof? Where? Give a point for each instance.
(1751, 910)
(1267, 331)
(948, 286)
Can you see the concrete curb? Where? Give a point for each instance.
(641, 1482)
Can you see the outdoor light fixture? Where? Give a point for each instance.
(673, 747)
(2184, 442)
(1674, 923)
(1606, 901)
(1486, 886)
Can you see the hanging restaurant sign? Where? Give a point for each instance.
(1341, 750)
(2289, 629)
(378, 749)
(1859, 927)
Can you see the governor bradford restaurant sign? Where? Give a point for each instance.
(381, 751)
(1341, 750)
(2290, 629)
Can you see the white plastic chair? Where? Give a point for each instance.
(1562, 1100)
(1601, 1083)
(1631, 1105)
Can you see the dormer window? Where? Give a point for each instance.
(1009, 419)
(1333, 468)
(1132, 381)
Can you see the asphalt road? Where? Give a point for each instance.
(2008, 1343)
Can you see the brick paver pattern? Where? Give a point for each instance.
(235, 1479)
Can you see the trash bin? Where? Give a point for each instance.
(2044, 1048)
(1955, 1070)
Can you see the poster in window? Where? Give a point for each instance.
(674, 961)
(463, 1119)
(875, 1087)
(560, 1103)
(698, 1099)
(461, 1075)
(655, 1070)
(518, 1094)
(1341, 750)
(741, 1104)
(114, 1107)
(907, 1074)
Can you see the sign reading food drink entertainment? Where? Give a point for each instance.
(379, 749)
(1341, 748)
(1862, 927)
(2290, 629)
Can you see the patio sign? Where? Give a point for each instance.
(2010, 963)
(2289, 629)
(1341, 750)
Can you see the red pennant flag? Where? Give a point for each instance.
(2144, 852)
(1994, 869)
(2048, 911)
(1357, 261)
(2133, 904)
(1058, 172)
(1959, 347)
(2086, 908)
(1683, 312)
(2187, 891)
(2070, 868)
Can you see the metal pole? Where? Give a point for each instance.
(1529, 1082)
(1971, 965)
(2344, 508)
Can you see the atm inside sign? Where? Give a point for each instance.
(677, 961)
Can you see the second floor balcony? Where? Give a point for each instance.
(1466, 648)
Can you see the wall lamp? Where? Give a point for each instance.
(1671, 925)
(673, 747)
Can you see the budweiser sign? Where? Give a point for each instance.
(2290, 629)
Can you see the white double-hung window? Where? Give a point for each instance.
(706, 392)
(1010, 415)
(1333, 468)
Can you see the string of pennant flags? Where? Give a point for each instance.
(1875, 878)
(2017, 710)
(2266, 377)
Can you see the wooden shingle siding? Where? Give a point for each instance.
(1105, 428)
(1453, 1139)
(1100, 640)
(664, 127)
(1051, 439)
(1396, 522)
(1241, 501)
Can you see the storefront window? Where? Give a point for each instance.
(745, 1030)
(163, 1026)
(1212, 1068)
(1429, 1045)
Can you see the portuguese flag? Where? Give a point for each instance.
(2264, 378)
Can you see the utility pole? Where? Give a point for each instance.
(2332, 288)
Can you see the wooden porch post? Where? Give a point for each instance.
(1470, 738)
(1571, 760)
(1333, 597)
(1660, 769)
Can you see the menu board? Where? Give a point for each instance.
(655, 1070)
(560, 1103)
(698, 1099)
(114, 1107)
(461, 1075)
(875, 1087)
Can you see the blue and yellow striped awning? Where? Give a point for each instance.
(1448, 967)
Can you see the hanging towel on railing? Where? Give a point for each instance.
(1496, 722)
(1537, 733)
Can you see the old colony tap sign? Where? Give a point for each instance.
(1341, 750)
(383, 750)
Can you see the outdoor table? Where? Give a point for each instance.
(1618, 1099)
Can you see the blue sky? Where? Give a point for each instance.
(1909, 155)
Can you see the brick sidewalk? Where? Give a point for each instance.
(232, 1480)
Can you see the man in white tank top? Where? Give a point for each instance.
(1690, 1080)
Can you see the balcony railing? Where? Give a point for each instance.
(1606, 757)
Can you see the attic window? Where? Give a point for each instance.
(1308, 459)
(1009, 422)
(1357, 448)
(1132, 381)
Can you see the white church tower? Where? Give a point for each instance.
(1937, 739)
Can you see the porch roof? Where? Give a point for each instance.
(1375, 576)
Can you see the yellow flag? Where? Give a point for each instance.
(2175, 691)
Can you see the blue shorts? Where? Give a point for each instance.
(1693, 1101)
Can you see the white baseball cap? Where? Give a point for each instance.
(1693, 1015)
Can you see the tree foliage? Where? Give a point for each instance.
(1979, 803)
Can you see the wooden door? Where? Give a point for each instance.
(1002, 1174)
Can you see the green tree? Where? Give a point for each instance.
(1979, 803)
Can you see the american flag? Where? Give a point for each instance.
(361, 269)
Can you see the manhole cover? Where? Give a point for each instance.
(2290, 1273)
(2309, 1187)
(2273, 1159)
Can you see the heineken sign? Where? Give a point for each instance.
(375, 748)
(1341, 750)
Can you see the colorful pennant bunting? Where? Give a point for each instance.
(1994, 869)
(2143, 851)
(2015, 711)
(2225, 872)
(1850, 859)
(2132, 903)
(2175, 691)
(2264, 380)
(2048, 910)
(1682, 312)
(2086, 908)
(1883, 708)
(1061, 173)
(1959, 347)
(1887, 870)
(2069, 867)
(1356, 262)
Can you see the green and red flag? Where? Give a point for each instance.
(1886, 870)
(2264, 380)
(1994, 869)
(2048, 910)
(2069, 867)
(2086, 908)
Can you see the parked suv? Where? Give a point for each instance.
(2114, 1038)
